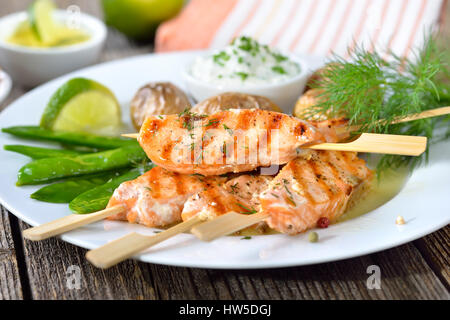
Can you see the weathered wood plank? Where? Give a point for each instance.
(48, 270)
(10, 285)
(404, 275)
(435, 248)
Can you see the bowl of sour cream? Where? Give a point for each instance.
(247, 66)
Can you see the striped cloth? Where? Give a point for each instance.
(313, 27)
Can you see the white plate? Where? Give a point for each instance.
(5, 85)
(423, 202)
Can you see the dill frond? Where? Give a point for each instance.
(371, 92)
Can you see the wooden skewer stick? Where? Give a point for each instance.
(133, 243)
(68, 223)
(416, 116)
(226, 224)
(379, 143)
(371, 143)
(130, 135)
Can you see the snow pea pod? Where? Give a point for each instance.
(66, 191)
(41, 153)
(97, 199)
(49, 169)
(73, 138)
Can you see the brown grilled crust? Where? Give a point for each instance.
(161, 138)
(161, 187)
(307, 189)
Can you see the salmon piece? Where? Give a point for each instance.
(239, 194)
(333, 129)
(194, 27)
(234, 140)
(156, 198)
(324, 184)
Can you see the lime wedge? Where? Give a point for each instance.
(83, 105)
(41, 20)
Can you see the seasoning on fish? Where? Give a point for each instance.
(227, 141)
(240, 194)
(156, 198)
(323, 185)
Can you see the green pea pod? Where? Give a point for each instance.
(41, 153)
(49, 169)
(66, 191)
(73, 138)
(97, 199)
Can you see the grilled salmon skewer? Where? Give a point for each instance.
(235, 140)
(156, 198)
(145, 205)
(239, 140)
(240, 194)
(323, 184)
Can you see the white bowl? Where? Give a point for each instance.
(284, 94)
(5, 85)
(31, 66)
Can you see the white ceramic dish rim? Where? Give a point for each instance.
(408, 233)
(95, 27)
(5, 85)
(304, 72)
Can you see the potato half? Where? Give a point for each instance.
(234, 100)
(157, 98)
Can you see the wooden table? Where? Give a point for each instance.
(37, 270)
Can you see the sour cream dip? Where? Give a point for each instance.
(245, 62)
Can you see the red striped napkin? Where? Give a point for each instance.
(314, 27)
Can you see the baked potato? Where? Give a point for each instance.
(157, 98)
(306, 101)
(234, 100)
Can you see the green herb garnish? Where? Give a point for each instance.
(290, 197)
(370, 88)
(221, 57)
(234, 188)
(279, 57)
(243, 75)
(246, 238)
(189, 117)
(229, 130)
(279, 70)
(247, 210)
(211, 122)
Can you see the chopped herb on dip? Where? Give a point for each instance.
(245, 62)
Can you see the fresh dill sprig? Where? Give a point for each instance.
(369, 88)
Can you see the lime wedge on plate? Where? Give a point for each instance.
(41, 20)
(83, 105)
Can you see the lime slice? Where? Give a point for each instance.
(41, 20)
(83, 105)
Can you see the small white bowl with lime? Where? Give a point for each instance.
(41, 44)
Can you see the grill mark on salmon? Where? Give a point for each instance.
(156, 198)
(321, 185)
(236, 195)
(158, 140)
